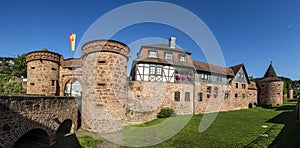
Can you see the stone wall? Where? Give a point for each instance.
(236, 98)
(270, 93)
(104, 85)
(43, 73)
(145, 99)
(20, 114)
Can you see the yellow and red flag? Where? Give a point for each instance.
(72, 38)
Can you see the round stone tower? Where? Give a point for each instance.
(43, 72)
(270, 89)
(290, 93)
(104, 85)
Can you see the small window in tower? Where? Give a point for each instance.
(101, 62)
(236, 85)
(31, 83)
(32, 67)
(243, 96)
(236, 95)
(43, 90)
(52, 82)
(53, 68)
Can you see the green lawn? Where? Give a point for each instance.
(240, 128)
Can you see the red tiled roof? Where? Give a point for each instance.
(213, 68)
(164, 46)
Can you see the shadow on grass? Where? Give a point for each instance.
(289, 135)
(69, 141)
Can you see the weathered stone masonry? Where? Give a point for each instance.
(20, 114)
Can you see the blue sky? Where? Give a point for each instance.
(253, 32)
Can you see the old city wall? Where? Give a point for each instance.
(20, 114)
(145, 99)
(220, 102)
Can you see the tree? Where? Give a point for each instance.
(14, 87)
(19, 68)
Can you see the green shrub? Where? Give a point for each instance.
(88, 142)
(165, 112)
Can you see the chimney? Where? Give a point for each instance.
(172, 42)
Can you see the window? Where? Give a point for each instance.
(43, 90)
(53, 69)
(216, 90)
(236, 85)
(219, 78)
(187, 96)
(152, 70)
(236, 95)
(182, 58)
(177, 96)
(199, 96)
(52, 82)
(158, 70)
(243, 86)
(239, 74)
(209, 89)
(31, 83)
(32, 67)
(152, 54)
(204, 76)
(168, 56)
(226, 95)
(243, 96)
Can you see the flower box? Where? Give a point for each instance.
(184, 77)
(215, 95)
(190, 78)
(178, 77)
(208, 95)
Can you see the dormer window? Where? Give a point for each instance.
(168, 56)
(182, 58)
(152, 54)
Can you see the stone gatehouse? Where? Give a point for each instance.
(161, 76)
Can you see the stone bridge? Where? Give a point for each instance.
(36, 121)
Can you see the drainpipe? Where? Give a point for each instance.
(194, 92)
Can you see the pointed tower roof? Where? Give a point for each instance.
(271, 74)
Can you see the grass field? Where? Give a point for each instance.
(240, 128)
(255, 127)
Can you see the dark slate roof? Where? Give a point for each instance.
(164, 46)
(270, 74)
(236, 68)
(213, 68)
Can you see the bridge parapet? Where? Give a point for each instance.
(21, 113)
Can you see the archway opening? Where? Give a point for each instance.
(250, 105)
(64, 128)
(33, 138)
(73, 88)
